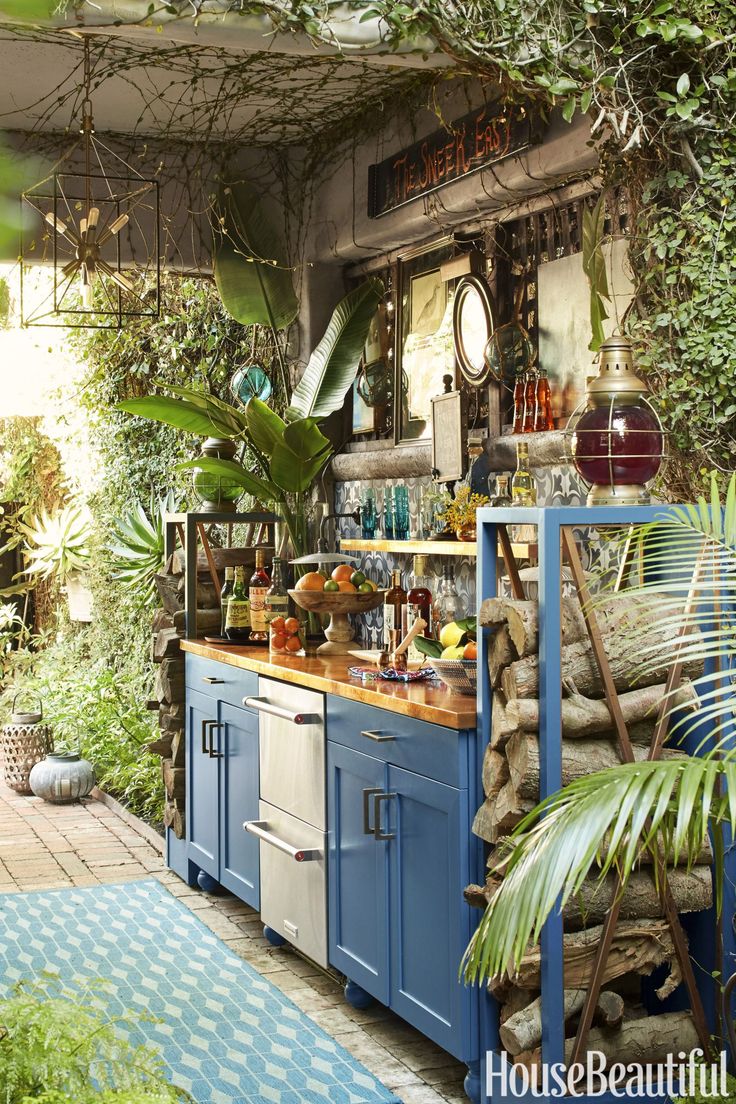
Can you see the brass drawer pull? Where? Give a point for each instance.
(212, 681)
(373, 735)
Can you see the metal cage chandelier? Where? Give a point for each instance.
(98, 230)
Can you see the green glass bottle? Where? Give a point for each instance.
(237, 619)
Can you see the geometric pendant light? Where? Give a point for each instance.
(99, 230)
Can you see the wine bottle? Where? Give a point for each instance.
(523, 485)
(418, 603)
(393, 605)
(257, 589)
(237, 619)
(227, 589)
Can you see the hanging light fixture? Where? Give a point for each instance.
(100, 232)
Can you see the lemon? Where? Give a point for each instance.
(450, 635)
(452, 652)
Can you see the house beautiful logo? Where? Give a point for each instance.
(684, 1075)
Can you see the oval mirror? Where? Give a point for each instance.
(472, 326)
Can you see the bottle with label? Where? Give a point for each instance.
(393, 607)
(227, 589)
(257, 590)
(237, 618)
(418, 603)
(519, 393)
(447, 606)
(530, 401)
(502, 495)
(523, 484)
(544, 420)
(277, 597)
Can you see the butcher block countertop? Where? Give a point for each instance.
(426, 701)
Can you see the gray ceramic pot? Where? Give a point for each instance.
(62, 777)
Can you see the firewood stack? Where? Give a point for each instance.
(511, 782)
(168, 628)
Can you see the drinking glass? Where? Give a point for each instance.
(401, 513)
(388, 514)
(368, 513)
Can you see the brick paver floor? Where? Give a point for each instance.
(46, 846)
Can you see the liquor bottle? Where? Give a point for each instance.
(501, 495)
(519, 393)
(523, 485)
(257, 589)
(530, 401)
(393, 607)
(227, 589)
(418, 603)
(277, 597)
(544, 419)
(237, 618)
(447, 605)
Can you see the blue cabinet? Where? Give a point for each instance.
(400, 854)
(222, 778)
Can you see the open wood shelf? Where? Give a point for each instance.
(522, 550)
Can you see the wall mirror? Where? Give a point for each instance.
(425, 350)
(472, 325)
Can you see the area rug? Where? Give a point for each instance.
(227, 1034)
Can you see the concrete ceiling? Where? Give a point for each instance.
(197, 91)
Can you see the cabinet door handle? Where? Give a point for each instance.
(214, 727)
(263, 705)
(205, 749)
(367, 795)
(372, 734)
(211, 680)
(259, 828)
(377, 833)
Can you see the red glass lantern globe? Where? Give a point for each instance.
(616, 439)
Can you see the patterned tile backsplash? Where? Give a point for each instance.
(556, 486)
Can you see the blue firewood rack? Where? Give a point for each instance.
(555, 527)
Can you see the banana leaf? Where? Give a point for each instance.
(265, 427)
(210, 404)
(300, 455)
(333, 365)
(262, 489)
(252, 273)
(181, 414)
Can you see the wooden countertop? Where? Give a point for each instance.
(426, 701)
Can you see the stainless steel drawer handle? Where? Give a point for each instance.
(212, 681)
(259, 828)
(379, 737)
(377, 833)
(367, 795)
(205, 724)
(263, 705)
(214, 727)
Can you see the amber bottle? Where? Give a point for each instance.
(257, 589)
(530, 401)
(543, 419)
(519, 391)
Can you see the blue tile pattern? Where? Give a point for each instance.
(228, 1035)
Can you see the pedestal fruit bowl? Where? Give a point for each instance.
(340, 634)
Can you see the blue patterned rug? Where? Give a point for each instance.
(228, 1035)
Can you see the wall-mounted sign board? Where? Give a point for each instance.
(478, 139)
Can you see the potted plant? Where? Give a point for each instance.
(57, 546)
(459, 513)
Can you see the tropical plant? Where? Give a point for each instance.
(138, 548)
(608, 820)
(56, 544)
(59, 1045)
(291, 451)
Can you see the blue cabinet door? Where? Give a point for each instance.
(237, 742)
(357, 871)
(430, 921)
(203, 829)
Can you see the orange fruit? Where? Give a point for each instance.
(342, 573)
(277, 625)
(293, 644)
(278, 642)
(291, 626)
(346, 586)
(311, 581)
(470, 651)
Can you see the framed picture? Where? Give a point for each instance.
(425, 349)
(364, 416)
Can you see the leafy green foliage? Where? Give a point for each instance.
(594, 267)
(138, 548)
(60, 1046)
(56, 545)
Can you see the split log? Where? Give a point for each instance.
(501, 725)
(161, 746)
(170, 680)
(579, 757)
(165, 643)
(500, 654)
(161, 620)
(169, 592)
(639, 945)
(692, 892)
(523, 1030)
(174, 819)
(521, 679)
(171, 717)
(497, 817)
(515, 1001)
(495, 772)
(583, 716)
(207, 620)
(178, 748)
(644, 1041)
(174, 780)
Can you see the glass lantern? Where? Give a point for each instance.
(217, 493)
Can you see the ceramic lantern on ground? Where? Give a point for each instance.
(62, 777)
(616, 438)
